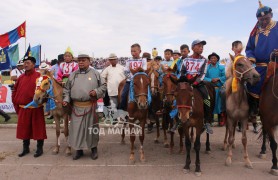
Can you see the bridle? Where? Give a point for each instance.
(241, 73)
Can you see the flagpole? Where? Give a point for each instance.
(25, 35)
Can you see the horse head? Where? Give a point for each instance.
(141, 84)
(169, 84)
(42, 85)
(184, 100)
(152, 72)
(243, 70)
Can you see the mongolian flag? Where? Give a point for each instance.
(12, 36)
(36, 53)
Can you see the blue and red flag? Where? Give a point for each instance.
(12, 36)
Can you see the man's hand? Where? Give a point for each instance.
(65, 103)
(275, 52)
(215, 80)
(93, 93)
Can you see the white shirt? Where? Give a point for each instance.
(113, 76)
(16, 72)
(133, 64)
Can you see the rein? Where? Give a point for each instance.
(274, 76)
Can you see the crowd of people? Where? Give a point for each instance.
(83, 84)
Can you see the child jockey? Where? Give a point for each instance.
(194, 70)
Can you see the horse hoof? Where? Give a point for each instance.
(166, 145)
(208, 152)
(228, 161)
(198, 174)
(143, 160)
(262, 156)
(186, 171)
(131, 161)
(249, 166)
(55, 151)
(156, 141)
(68, 151)
(274, 172)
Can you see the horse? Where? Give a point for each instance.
(169, 92)
(191, 113)
(44, 83)
(269, 117)
(238, 73)
(152, 71)
(137, 109)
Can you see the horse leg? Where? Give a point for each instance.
(225, 139)
(157, 129)
(141, 137)
(164, 126)
(172, 139)
(263, 148)
(248, 163)
(197, 147)
(123, 134)
(207, 145)
(234, 144)
(192, 135)
(181, 133)
(132, 139)
(273, 146)
(231, 140)
(57, 146)
(187, 143)
(66, 133)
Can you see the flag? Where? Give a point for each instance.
(12, 36)
(36, 53)
(4, 59)
(28, 52)
(13, 55)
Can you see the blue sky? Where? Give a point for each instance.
(100, 27)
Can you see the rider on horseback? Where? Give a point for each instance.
(194, 70)
(262, 42)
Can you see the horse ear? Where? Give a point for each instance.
(232, 57)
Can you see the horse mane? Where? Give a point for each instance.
(229, 78)
(50, 74)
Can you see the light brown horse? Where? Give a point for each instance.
(191, 113)
(137, 111)
(238, 73)
(269, 116)
(59, 112)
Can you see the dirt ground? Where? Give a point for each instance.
(113, 161)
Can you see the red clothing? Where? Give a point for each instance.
(31, 123)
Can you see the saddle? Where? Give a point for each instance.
(270, 70)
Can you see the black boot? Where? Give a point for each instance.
(39, 150)
(94, 154)
(26, 149)
(255, 130)
(5, 115)
(78, 154)
(253, 105)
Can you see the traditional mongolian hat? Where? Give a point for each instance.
(263, 10)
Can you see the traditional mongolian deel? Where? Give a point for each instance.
(83, 119)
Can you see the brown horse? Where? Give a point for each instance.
(238, 73)
(169, 92)
(191, 113)
(137, 110)
(269, 117)
(59, 112)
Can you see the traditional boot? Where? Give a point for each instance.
(79, 154)
(94, 154)
(255, 130)
(26, 149)
(39, 150)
